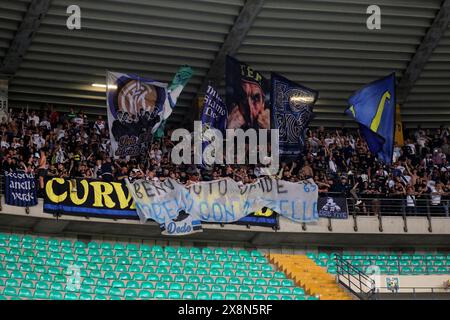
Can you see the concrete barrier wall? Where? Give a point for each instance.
(291, 237)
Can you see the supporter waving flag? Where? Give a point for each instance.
(174, 90)
(373, 107)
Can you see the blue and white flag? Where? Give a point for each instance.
(20, 189)
(373, 107)
(214, 111)
(181, 78)
(292, 111)
(214, 115)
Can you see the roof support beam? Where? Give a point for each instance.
(235, 37)
(424, 52)
(231, 45)
(22, 40)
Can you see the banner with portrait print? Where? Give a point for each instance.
(247, 97)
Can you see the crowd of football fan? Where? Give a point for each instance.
(68, 145)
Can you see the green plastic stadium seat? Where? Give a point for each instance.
(180, 278)
(145, 294)
(15, 238)
(231, 288)
(287, 283)
(217, 296)
(152, 277)
(150, 262)
(174, 295)
(71, 296)
(121, 268)
(124, 276)
(298, 291)
(25, 293)
(274, 282)
(157, 248)
(189, 287)
(130, 294)
(418, 270)
(162, 270)
(215, 272)
(101, 290)
(133, 284)
(285, 290)
(56, 286)
(103, 282)
(203, 287)
(203, 296)
(201, 271)
(234, 280)
(176, 263)
(442, 270)
(188, 295)
(159, 295)
(406, 270)
(166, 278)
(89, 281)
(162, 286)
(217, 287)
(40, 294)
(86, 297)
(118, 284)
(312, 255)
(219, 280)
(115, 292)
(175, 286)
(245, 296)
(258, 289)
(148, 269)
(394, 270)
(13, 283)
(56, 295)
(86, 289)
(431, 270)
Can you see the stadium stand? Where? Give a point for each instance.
(389, 262)
(50, 268)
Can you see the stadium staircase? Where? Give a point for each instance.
(49, 268)
(307, 274)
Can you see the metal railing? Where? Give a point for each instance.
(412, 293)
(393, 205)
(352, 278)
(368, 205)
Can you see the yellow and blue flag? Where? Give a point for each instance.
(373, 107)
